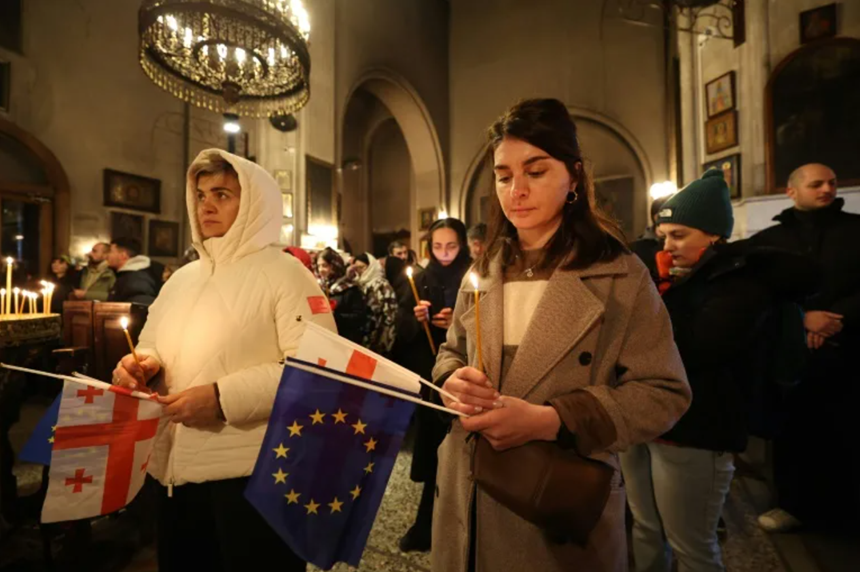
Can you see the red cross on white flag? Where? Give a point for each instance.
(321, 347)
(101, 449)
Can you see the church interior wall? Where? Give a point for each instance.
(582, 53)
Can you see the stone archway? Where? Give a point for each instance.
(601, 137)
(57, 182)
(383, 94)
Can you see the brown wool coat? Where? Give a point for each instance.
(600, 349)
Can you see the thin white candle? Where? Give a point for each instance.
(9, 262)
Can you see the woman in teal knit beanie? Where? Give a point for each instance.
(719, 296)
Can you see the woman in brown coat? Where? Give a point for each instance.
(576, 345)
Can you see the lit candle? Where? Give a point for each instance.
(124, 323)
(16, 291)
(44, 292)
(2, 301)
(50, 288)
(417, 301)
(9, 262)
(474, 278)
(34, 303)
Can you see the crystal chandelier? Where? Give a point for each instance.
(248, 57)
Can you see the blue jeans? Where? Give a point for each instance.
(676, 495)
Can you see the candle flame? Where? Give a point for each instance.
(2, 291)
(16, 290)
(409, 271)
(474, 278)
(123, 322)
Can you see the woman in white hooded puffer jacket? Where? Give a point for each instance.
(211, 348)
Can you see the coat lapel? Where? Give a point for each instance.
(566, 313)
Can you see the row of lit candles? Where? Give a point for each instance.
(25, 302)
(13, 301)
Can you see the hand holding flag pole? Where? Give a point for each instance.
(417, 301)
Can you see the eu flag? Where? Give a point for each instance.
(38, 448)
(325, 462)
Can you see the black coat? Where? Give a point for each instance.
(350, 313)
(831, 237)
(719, 314)
(412, 351)
(137, 286)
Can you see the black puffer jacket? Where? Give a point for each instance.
(832, 237)
(719, 312)
(350, 309)
(137, 286)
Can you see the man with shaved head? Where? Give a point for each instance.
(816, 461)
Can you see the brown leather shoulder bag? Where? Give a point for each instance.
(551, 487)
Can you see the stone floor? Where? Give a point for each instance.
(746, 549)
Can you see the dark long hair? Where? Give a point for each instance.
(338, 267)
(459, 228)
(586, 235)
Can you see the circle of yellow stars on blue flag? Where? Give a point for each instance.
(283, 451)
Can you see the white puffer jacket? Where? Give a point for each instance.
(229, 317)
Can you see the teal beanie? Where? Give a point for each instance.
(703, 204)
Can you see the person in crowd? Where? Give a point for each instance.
(167, 273)
(189, 256)
(344, 294)
(822, 408)
(395, 273)
(302, 256)
(381, 304)
(477, 236)
(211, 349)
(437, 287)
(650, 243)
(397, 249)
(65, 279)
(97, 278)
(576, 345)
(135, 281)
(719, 297)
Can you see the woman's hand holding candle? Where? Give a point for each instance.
(422, 311)
(441, 320)
(131, 376)
(516, 423)
(473, 389)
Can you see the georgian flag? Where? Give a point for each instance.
(321, 347)
(101, 448)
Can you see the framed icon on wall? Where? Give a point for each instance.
(731, 168)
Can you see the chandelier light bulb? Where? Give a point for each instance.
(247, 57)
